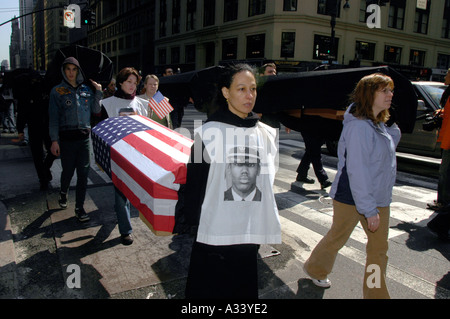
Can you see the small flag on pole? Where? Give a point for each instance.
(160, 105)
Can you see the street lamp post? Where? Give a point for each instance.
(333, 8)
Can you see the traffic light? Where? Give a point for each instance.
(92, 17)
(88, 17)
(85, 17)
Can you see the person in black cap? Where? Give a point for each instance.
(70, 107)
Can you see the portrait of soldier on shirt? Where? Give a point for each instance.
(243, 167)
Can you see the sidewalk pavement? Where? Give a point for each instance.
(45, 252)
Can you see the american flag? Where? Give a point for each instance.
(146, 162)
(160, 105)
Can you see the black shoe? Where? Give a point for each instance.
(62, 200)
(325, 184)
(126, 239)
(305, 180)
(81, 215)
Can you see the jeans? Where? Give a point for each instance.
(345, 219)
(75, 156)
(122, 207)
(8, 121)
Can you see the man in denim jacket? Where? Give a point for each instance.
(70, 108)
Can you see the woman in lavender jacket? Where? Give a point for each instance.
(362, 190)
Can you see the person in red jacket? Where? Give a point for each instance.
(440, 224)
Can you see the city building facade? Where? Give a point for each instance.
(14, 46)
(124, 31)
(297, 35)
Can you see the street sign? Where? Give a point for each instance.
(72, 16)
(69, 19)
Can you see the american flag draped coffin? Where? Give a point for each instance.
(146, 162)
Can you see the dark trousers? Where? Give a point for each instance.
(75, 156)
(43, 160)
(313, 155)
(177, 115)
(218, 272)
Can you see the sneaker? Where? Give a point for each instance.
(325, 184)
(62, 200)
(326, 283)
(305, 180)
(126, 239)
(81, 214)
(323, 283)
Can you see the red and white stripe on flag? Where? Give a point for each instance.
(148, 167)
(160, 105)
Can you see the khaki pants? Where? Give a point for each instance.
(345, 218)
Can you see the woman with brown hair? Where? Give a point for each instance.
(123, 103)
(362, 190)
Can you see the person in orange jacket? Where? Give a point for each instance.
(440, 224)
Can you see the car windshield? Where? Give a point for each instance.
(435, 92)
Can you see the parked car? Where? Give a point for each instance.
(423, 142)
(420, 141)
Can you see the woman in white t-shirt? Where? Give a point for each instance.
(124, 102)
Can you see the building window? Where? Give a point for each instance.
(421, 19)
(162, 18)
(210, 53)
(287, 44)
(290, 5)
(417, 57)
(396, 14)
(329, 7)
(392, 54)
(191, 14)
(446, 21)
(230, 10)
(176, 12)
(229, 49)
(443, 61)
(175, 55)
(209, 13)
(365, 50)
(256, 7)
(362, 11)
(255, 46)
(322, 47)
(190, 53)
(162, 56)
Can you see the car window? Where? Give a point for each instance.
(434, 92)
